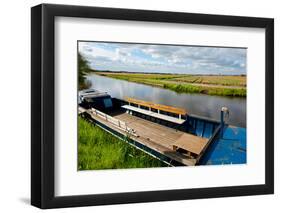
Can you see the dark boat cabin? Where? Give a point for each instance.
(91, 98)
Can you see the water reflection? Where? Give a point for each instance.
(198, 104)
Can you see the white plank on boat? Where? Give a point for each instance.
(81, 110)
(154, 114)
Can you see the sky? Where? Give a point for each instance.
(152, 58)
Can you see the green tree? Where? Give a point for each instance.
(83, 69)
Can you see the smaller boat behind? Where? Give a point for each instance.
(168, 133)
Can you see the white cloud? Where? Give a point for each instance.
(164, 58)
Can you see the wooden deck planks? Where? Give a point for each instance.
(155, 132)
(155, 136)
(190, 143)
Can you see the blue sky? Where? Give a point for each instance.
(164, 58)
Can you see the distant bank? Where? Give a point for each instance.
(222, 85)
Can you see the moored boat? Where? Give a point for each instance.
(168, 133)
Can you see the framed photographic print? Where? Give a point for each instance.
(140, 106)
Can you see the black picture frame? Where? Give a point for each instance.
(43, 102)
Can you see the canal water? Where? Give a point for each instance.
(197, 104)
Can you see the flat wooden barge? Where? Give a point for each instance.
(165, 132)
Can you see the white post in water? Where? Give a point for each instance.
(224, 112)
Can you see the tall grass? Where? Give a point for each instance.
(98, 149)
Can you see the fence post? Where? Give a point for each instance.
(224, 111)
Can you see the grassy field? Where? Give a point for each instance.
(98, 149)
(182, 83)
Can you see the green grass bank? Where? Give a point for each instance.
(98, 149)
(232, 86)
